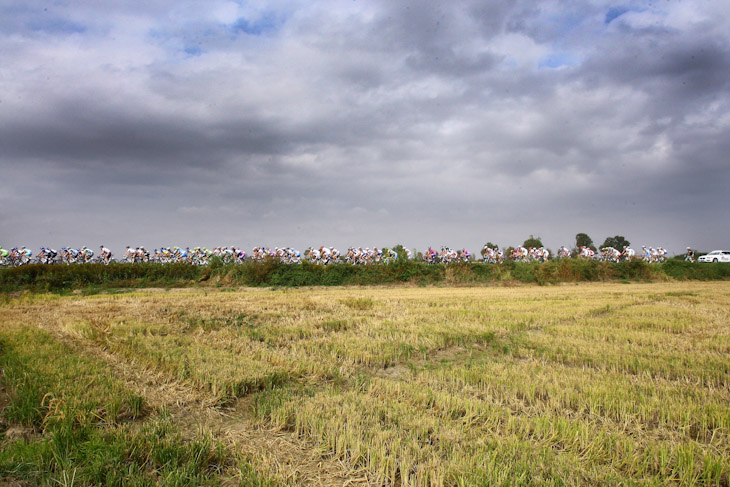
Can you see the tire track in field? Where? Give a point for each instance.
(271, 451)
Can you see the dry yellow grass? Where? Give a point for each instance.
(567, 385)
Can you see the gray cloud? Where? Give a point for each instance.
(366, 123)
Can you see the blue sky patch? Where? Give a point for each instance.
(556, 60)
(613, 13)
(255, 27)
(193, 50)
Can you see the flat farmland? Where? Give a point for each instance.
(587, 384)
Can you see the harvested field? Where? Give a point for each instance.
(590, 384)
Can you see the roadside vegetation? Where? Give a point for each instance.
(590, 384)
(94, 277)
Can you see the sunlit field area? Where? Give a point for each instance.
(578, 384)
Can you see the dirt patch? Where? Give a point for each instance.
(5, 482)
(452, 353)
(395, 372)
(16, 432)
(401, 371)
(4, 398)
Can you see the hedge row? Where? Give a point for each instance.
(272, 273)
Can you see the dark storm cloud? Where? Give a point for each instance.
(366, 123)
(669, 65)
(88, 136)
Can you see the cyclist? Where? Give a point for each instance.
(129, 254)
(25, 254)
(628, 253)
(68, 256)
(106, 254)
(86, 254)
(47, 255)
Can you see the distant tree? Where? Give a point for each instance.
(401, 251)
(583, 240)
(618, 242)
(533, 242)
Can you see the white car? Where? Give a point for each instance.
(716, 256)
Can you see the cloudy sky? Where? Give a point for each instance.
(364, 123)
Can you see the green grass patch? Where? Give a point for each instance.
(78, 425)
(49, 384)
(155, 455)
(93, 278)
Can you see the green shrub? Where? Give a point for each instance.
(703, 271)
(93, 278)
